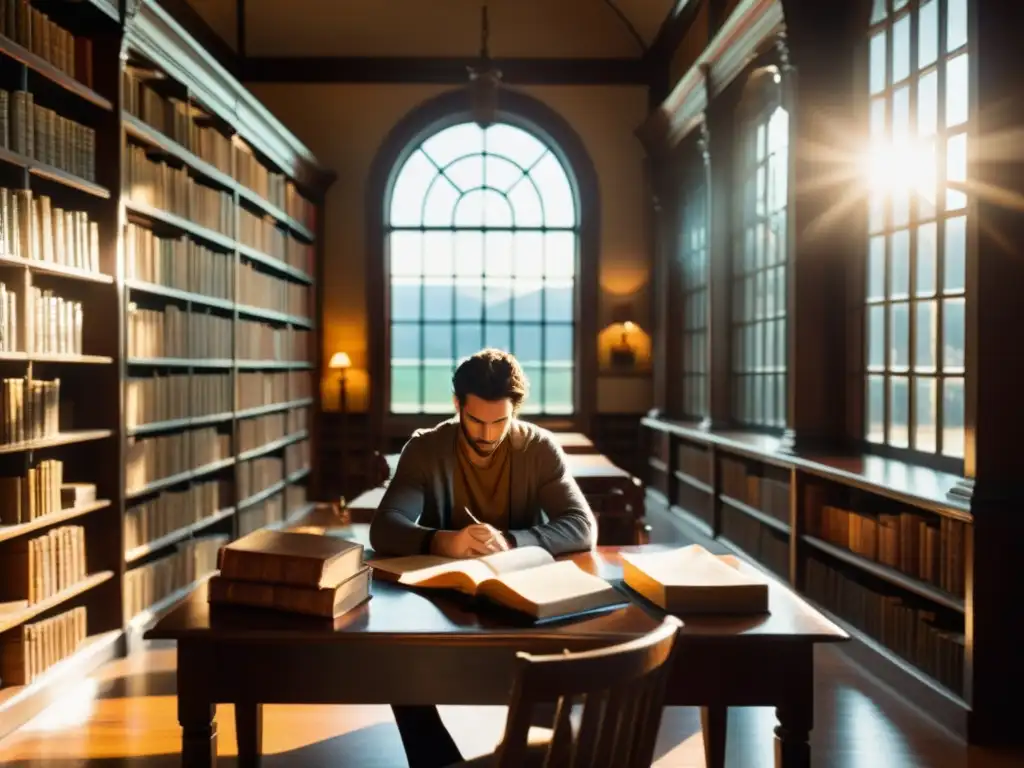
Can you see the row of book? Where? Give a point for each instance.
(256, 475)
(256, 432)
(150, 459)
(259, 388)
(57, 323)
(151, 582)
(33, 648)
(38, 568)
(264, 235)
(254, 175)
(10, 340)
(260, 341)
(767, 494)
(267, 291)
(296, 456)
(150, 399)
(39, 492)
(295, 498)
(33, 30)
(266, 512)
(31, 227)
(173, 510)
(156, 184)
(171, 117)
(177, 333)
(756, 539)
(40, 133)
(31, 409)
(928, 548)
(919, 636)
(177, 262)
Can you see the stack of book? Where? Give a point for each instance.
(293, 572)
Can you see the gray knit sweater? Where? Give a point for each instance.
(546, 507)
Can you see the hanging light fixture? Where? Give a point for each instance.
(484, 80)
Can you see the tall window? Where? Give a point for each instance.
(759, 259)
(482, 249)
(693, 255)
(917, 250)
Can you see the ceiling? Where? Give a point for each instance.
(519, 28)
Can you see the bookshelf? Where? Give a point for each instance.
(877, 544)
(158, 339)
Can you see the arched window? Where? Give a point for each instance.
(760, 255)
(482, 230)
(919, 95)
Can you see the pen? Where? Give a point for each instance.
(477, 522)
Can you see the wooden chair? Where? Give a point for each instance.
(622, 690)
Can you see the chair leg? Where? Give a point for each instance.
(426, 741)
(713, 724)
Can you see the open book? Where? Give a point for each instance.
(527, 579)
(693, 580)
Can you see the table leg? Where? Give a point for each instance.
(792, 736)
(249, 732)
(198, 733)
(713, 725)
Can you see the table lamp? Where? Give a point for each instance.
(622, 354)
(341, 362)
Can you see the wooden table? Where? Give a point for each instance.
(405, 647)
(574, 442)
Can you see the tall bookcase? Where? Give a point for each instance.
(882, 547)
(160, 242)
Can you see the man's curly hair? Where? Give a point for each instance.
(491, 374)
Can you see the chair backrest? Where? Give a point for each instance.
(622, 691)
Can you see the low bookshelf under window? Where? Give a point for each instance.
(878, 545)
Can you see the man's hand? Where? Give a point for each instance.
(472, 541)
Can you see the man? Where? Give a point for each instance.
(478, 483)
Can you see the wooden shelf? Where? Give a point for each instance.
(272, 446)
(146, 134)
(180, 223)
(263, 410)
(58, 270)
(176, 293)
(13, 531)
(757, 514)
(11, 619)
(64, 438)
(139, 552)
(181, 477)
(173, 424)
(42, 67)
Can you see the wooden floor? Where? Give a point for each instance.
(125, 716)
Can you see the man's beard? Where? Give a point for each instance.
(481, 448)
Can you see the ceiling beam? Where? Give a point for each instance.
(671, 32)
(442, 70)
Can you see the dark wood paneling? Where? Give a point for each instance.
(442, 70)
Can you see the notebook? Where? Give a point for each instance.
(527, 580)
(691, 580)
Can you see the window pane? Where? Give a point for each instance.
(877, 11)
(499, 252)
(955, 276)
(957, 91)
(878, 118)
(953, 334)
(451, 143)
(901, 114)
(899, 336)
(528, 259)
(535, 378)
(405, 254)
(876, 409)
(469, 253)
(513, 143)
(899, 412)
(497, 299)
(438, 343)
(953, 417)
(956, 171)
(437, 380)
(469, 298)
(558, 303)
(925, 403)
(558, 344)
(405, 343)
(956, 24)
(405, 299)
(527, 296)
(928, 33)
(497, 210)
(469, 211)
(558, 390)
(926, 259)
(468, 340)
(438, 299)
(560, 254)
(500, 174)
(438, 254)
(440, 202)
(527, 343)
(876, 268)
(559, 206)
(410, 187)
(899, 252)
(927, 331)
(526, 204)
(876, 337)
(928, 103)
(405, 388)
(901, 49)
(498, 335)
(467, 173)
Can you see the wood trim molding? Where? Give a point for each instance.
(185, 14)
(435, 114)
(442, 70)
(155, 34)
(748, 28)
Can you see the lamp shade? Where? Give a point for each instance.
(340, 360)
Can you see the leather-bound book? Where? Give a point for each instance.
(285, 557)
(328, 602)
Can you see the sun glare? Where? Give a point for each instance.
(900, 168)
